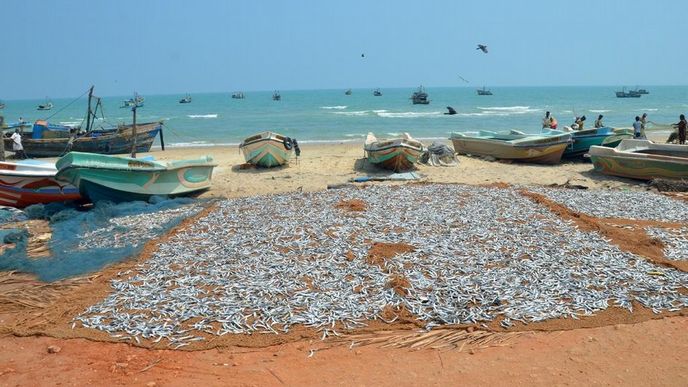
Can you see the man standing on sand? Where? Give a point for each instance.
(17, 145)
(637, 128)
(643, 122)
(682, 126)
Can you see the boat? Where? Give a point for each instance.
(267, 149)
(29, 182)
(396, 154)
(49, 140)
(377, 93)
(628, 94)
(121, 179)
(641, 159)
(186, 99)
(484, 91)
(48, 105)
(582, 140)
(2, 105)
(347, 92)
(238, 95)
(137, 101)
(643, 91)
(276, 96)
(420, 97)
(545, 148)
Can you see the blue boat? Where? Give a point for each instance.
(582, 140)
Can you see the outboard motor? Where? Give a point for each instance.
(297, 150)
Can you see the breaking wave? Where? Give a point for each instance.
(202, 115)
(339, 107)
(386, 114)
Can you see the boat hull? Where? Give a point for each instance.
(642, 160)
(583, 140)
(24, 185)
(119, 141)
(398, 158)
(267, 151)
(547, 152)
(139, 181)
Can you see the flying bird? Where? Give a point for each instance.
(482, 47)
(463, 79)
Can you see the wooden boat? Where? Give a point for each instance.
(377, 93)
(643, 91)
(396, 154)
(267, 149)
(420, 97)
(276, 96)
(545, 148)
(628, 94)
(347, 92)
(2, 105)
(186, 99)
(582, 140)
(48, 140)
(484, 91)
(238, 95)
(642, 159)
(120, 179)
(48, 105)
(137, 101)
(30, 182)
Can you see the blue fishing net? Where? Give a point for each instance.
(84, 241)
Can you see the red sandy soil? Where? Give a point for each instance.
(650, 353)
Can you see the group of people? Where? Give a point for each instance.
(549, 122)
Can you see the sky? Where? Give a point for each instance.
(59, 48)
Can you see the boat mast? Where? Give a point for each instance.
(133, 130)
(88, 116)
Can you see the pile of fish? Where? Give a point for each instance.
(265, 264)
(134, 230)
(675, 241)
(618, 204)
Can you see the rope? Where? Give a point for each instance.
(67, 105)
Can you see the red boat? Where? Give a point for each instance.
(30, 182)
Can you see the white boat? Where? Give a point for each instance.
(396, 154)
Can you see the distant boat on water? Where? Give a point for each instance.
(46, 106)
(643, 91)
(420, 97)
(628, 94)
(276, 96)
(484, 91)
(137, 101)
(186, 99)
(238, 95)
(347, 92)
(2, 105)
(377, 93)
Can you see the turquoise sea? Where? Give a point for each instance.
(332, 116)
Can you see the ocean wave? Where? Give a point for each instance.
(70, 123)
(650, 110)
(408, 114)
(505, 108)
(354, 134)
(356, 113)
(380, 111)
(339, 107)
(202, 115)
(598, 111)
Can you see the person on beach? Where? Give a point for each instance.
(643, 122)
(637, 127)
(547, 121)
(581, 122)
(17, 144)
(682, 126)
(598, 122)
(553, 122)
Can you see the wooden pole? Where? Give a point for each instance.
(2, 139)
(133, 130)
(88, 114)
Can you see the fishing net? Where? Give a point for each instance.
(439, 154)
(81, 241)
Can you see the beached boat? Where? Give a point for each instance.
(267, 149)
(186, 99)
(377, 93)
(484, 91)
(276, 96)
(545, 148)
(642, 159)
(48, 140)
(120, 179)
(30, 182)
(420, 97)
(582, 140)
(396, 154)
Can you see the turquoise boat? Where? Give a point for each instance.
(120, 179)
(582, 140)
